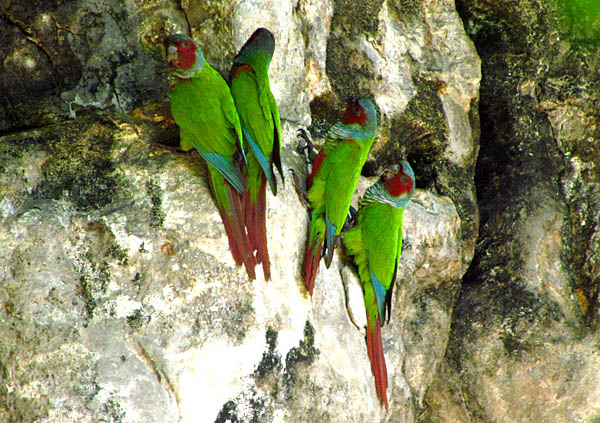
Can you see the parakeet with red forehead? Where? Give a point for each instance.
(202, 106)
(259, 117)
(332, 182)
(376, 245)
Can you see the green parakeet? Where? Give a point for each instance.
(202, 106)
(376, 245)
(332, 181)
(259, 117)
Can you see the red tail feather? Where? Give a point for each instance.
(238, 218)
(375, 351)
(257, 227)
(236, 232)
(316, 167)
(312, 256)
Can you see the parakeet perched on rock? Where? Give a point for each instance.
(202, 106)
(259, 117)
(332, 181)
(376, 245)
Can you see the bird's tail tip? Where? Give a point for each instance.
(378, 366)
(255, 222)
(311, 264)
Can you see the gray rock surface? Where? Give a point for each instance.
(139, 297)
(119, 299)
(524, 339)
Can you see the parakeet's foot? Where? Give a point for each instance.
(170, 148)
(311, 154)
(300, 189)
(351, 316)
(349, 310)
(350, 219)
(353, 296)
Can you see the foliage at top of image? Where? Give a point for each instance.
(581, 20)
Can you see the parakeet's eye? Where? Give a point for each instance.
(357, 110)
(186, 44)
(405, 180)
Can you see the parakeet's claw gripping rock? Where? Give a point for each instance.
(308, 148)
(300, 190)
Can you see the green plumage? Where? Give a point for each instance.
(256, 105)
(259, 115)
(376, 244)
(214, 128)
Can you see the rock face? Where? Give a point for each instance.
(119, 299)
(524, 340)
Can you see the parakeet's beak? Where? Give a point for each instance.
(172, 56)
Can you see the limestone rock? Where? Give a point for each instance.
(139, 296)
(525, 328)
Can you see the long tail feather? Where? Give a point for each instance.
(229, 204)
(312, 256)
(375, 351)
(256, 226)
(238, 218)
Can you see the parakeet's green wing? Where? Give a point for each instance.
(344, 170)
(223, 164)
(277, 140)
(382, 251)
(230, 112)
(185, 143)
(209, 129)
(215, 130)
(258, 124)
(399, 245)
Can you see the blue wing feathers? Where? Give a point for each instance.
(262, 160)
(330, 232)
(227, 168)
(380, 293)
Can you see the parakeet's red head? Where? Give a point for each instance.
(183, 55)
(354, 113)
(402, 183)
(361, 112)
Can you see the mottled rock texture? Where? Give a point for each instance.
(524, 344)
(119, 299)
